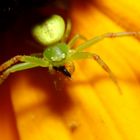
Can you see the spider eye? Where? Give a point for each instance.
(50, 31)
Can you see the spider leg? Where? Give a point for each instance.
(26, 62)
(107, 69)
(84, 55)
(10, 62)
(74, 39)
(67, 31)
(23, 58)
(14, 68)
(96, 39)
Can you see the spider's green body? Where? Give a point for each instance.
(58, 53)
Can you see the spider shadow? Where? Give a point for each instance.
(53, 85)
(97, 78)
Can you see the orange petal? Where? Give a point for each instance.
(88, 107)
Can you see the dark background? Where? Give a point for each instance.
(17, 17)
(10, 10)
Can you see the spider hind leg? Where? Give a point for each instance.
(85, 55)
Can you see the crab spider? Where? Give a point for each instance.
(58, 54)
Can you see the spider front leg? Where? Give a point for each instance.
(15, 68)
(74, 39)
(10, 62)
(67, 31)
(25, 62)
(97, 39)
(84, 55)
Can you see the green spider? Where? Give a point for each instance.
(58, 54)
